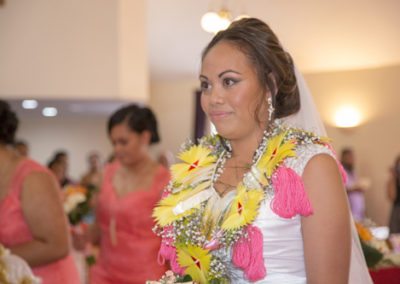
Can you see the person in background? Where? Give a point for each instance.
(263, 201)
(93, 176)
(131, 187)
(59, 165)
(22, 148)
(355, 190)
(33, 225)
(393, 193)
(58, 169)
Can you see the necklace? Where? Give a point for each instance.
(226, 187)
(185, 218)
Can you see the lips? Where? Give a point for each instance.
(215, 115)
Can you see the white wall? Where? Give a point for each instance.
(77, 136)
(174, 104)
(92, 49)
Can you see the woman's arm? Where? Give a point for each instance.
(327, 232)
(43, 212)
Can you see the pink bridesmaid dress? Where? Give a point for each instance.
(14, 229)
(128, 247)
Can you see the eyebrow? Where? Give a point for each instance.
(221, 74)
(228, 71)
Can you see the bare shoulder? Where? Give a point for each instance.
(40, 182)
(322, 163)
(323, 183)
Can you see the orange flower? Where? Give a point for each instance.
(363, 232)
(73, 189)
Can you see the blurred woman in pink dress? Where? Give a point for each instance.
(32, 224)
(131, 187)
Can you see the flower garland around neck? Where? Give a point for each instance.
(186, 219)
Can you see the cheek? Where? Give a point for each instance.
(244, 103)
(204, 102)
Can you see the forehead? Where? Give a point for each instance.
(121, 129)
(225, 55)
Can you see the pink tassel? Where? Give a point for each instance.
(290, 197)
(168, 252)
(247, 254)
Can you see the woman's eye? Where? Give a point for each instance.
(204, 86)
(229, 82)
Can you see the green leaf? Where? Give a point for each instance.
(185, 278)
(90, 260)
(372, 255)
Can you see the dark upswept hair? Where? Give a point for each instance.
(8, 124)
(137, 118)
(261, 46)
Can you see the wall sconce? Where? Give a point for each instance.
(217, 20)
(347, 117)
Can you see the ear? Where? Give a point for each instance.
(272, 78)
(145, 137)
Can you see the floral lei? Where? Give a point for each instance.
(187, 222)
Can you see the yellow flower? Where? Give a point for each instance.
(196, 262)
(163, 212)
(277, 150)
(195, 159)
(243, 209)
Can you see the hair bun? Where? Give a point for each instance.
(8, 123)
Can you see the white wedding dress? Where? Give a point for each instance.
(282, 238)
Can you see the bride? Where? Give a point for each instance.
(263, 201)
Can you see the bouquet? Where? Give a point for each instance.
(14, 269)
(170, 278)
(77, 206)
(77, 202)
(376, 251)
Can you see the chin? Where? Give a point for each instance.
(225, 133)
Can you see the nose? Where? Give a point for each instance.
(117, 148)
(216, 96)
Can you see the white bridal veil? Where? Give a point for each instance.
(308, 118)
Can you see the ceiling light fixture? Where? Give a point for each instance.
(49, 111)
(216, 20)
(29, 104)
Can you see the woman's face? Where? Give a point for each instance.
(129, 146)
(231, 92)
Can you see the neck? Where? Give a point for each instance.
(243, 149)
(140, 165)
(6, 152)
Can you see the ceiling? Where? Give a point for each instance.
(321, 35)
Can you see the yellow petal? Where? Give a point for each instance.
(196, 262)
(163, 212)
(244, 208)
(195, 159)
